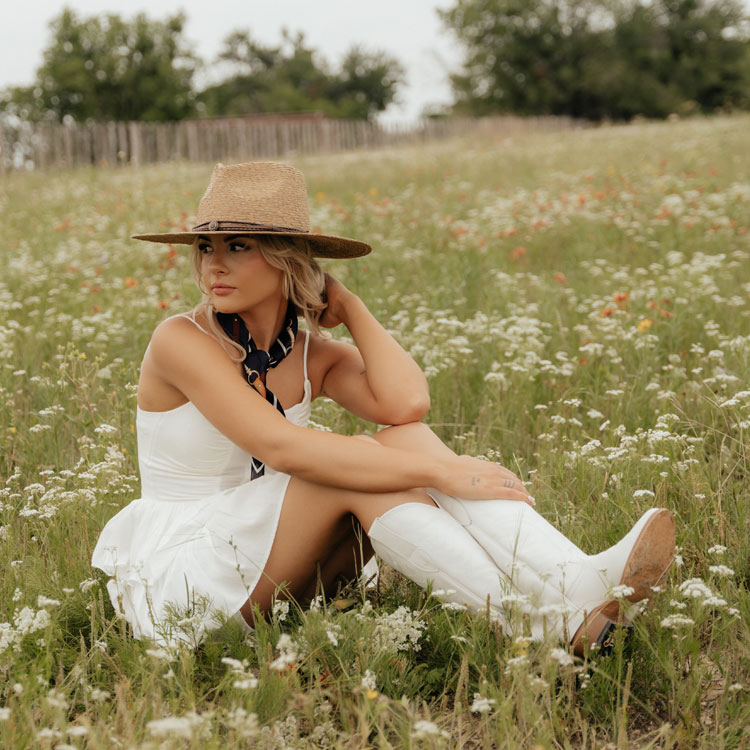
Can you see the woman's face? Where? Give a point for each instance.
(235, 274)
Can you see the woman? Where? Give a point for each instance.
(240, 498)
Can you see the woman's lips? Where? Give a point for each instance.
(221, 289)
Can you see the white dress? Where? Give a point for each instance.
(196, 542)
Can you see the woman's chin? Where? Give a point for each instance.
(223, 305)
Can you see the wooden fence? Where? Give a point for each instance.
(49, 145)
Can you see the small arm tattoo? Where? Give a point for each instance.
(364, 372)
(475, 480)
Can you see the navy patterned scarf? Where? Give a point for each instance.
(257, 361)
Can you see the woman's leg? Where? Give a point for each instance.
(542, 562)
(350, 551)
(311, 533)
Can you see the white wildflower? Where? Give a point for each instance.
(368, 681)
(642, 493)
(49, 734)
(621, 591)
(720, 570)
(561, 656)
(717, 549)
(242, 722)
(28, 621)
(235, 665)
(280, 610)
(423, 729)
(43, 601)
(87, 584)
(288, 655)
(57, 699)
(695, 588)
(4, 714)
(735, 687)
(105, 429)
(179, 726)
(332, 633)
(482, 705)
(677, 620)
(399, 630)
(247, 683)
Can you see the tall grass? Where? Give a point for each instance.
(579, 302)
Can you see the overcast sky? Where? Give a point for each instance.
(408, 29)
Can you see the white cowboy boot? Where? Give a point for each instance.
(546, 565)
(428, 546)
(653, 537)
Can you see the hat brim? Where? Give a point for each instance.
(322, 246)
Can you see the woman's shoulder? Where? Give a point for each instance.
(189, 329)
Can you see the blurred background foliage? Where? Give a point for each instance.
(589, 59)
(599, 59)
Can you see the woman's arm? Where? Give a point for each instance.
(196, 365)
(376, 379)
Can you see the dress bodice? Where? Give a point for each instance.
(182, 456)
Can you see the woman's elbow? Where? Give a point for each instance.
(410, 410)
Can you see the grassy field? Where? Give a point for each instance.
(580, 302)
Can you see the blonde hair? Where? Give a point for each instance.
(303, 283)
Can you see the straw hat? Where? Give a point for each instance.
(261, 197)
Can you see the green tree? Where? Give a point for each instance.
(107, 68)
(524, 56)
(294, 77)
(601, 58)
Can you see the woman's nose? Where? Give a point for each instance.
(216, 261)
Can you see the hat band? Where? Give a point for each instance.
(238, 226)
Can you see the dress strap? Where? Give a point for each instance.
(191, 318)
(304, 358)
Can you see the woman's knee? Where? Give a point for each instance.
(366, 439)
(408, 431)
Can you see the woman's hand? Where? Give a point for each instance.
(337, 295)
(473, 479)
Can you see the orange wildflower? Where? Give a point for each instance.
(517, 252)
(606, 312)
(130, 281)
(559, 278)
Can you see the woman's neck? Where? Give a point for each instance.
(264, 322)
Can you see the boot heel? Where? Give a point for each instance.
(598, 630)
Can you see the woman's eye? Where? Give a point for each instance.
(238, 247)
(204, 248)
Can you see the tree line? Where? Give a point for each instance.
(592, 59)
(109, 68)
(599, 59)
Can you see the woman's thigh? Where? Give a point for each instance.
(312, 524)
